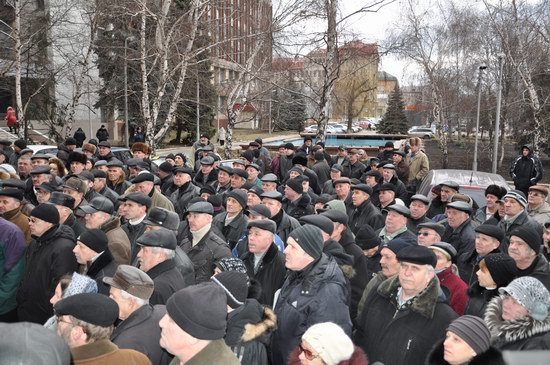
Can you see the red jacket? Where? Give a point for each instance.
(10, 117)
(457, 288)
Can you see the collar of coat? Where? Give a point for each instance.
(109, 225)
(424, 303)
(12, 214)
(160, 268)
(102, 261)
(93, 350)
(513, 330)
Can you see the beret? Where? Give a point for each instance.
(93, 308)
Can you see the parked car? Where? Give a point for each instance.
(423, 132)
(121, 153)
(43, 149)
(472, 183)
(338, 128)
(311, 129)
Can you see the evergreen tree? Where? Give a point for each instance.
(395, 120)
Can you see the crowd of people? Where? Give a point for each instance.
(294, 258)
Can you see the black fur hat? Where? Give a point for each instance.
(78, 157)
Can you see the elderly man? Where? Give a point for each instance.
(493, 193)
(48, 258)
(418, 207)
(515, 215)
(316, 283)
(223, 182)
(95, 259)
(99, 214)
(525, 249)
(203, 246)
(448, 189)
(429, 233)
(100, 186)
(342, 159)
(24, 167)
(270, 182)
(321, 166)
(386, 197)
(232, 223)
(401, 167)
(264, 261)
(64, 204)
(105, 153)
(459, 230)
(156, 258)
(537, 207)
(184, 190)
(296, 202)
(131, 289)
(85, 322)
(77, 189)
(39, 175)
(285, 223)
(144, 183)
(365, 213)
(77, 162)
(207, 174)
(335, 174)
(356, 167)
(389, 176)
(194, 326)
(342, 187)
(488, 240)
(403, 318)
(396, 224)
(10, 208)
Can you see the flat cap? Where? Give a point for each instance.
(65, 200)
(264, 224)
(183, 170)
(254, 166)
(387, 187)
(200, 207)
(460, 205)
(86, 175)
(74, 183)
(337, 167)
(445, 248)
(260, 210)
(363, 187)
(543, 189)
(137, 197)
(342, 180)
(421, 198)
(419, 255)
(491, 231)
(132, 280)
(98, 204)
(49, 187)
(227, 169)
(100, 163)
(39, 156)
(336, 216)
(401, 209)
(319, 220)
(162, 217)
(209, 161)
(115, 163)
(451, 184)
(400, 153)
(12, 193)
(132, 162)
(270, 178)
(104, 144)
(389, 166)
(163, 238)
(374, 173)
(146, 176)
(93, 308)
(99, 174)
(40, 170)
(240, 172)
(272, 195)
(13, 183)
(438, 228)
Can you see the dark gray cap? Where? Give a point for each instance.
(421, 198)
(264, 224)
(260, 209)
(438, 228)
(137, 197)
(401, 209)
(41, 170)
(337, 167)
(460, 205)
(115, 163)
(270, 178)
(207, 161)
(162, 217)
(200, 207)
(64, 200)
(272, 195)
(39, 156)
(163, 238)
(99, 204)
(100, 163)
(321, 221)
(446, 248)
(450, 184)
(336, 216)
(363, 187)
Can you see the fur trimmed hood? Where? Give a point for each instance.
(423, 304)
(514, 330)
(249, 322)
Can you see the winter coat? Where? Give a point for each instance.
(108, 157)
(456, 289)
(248, 332)
(539, 269)
(129, 334)
(357, 358)
(17, 217)
(373, 284)
(133, 231)
(74, 224)
(489, 357)
(160, 201)
(299, 208)
(462, 238)
(208, 250)
(322, 170)
(270, 273)
(103, 266)
(356, 170)
(328, 188)
(185, 267)
(521, 220)
(285, 224)
(540, 214)
(285, 164)
(48, 258)
(401, 189)
(109, 194)
(526, 170)
(80, 137)
(402, 171)
(167, 185)
(102, 134)
(397, 335)
(419, 165)
(181, 196)
(314, 295)
(104, 352)
(118, 244)
(167, 280)
(520, 334)
(121, 188)
(468, 265)
(345, 165)
(412, 224)
(366, 214)
(12, 264)
(359, 279)
(215, 353)
(63, 154)
(436, 207)
(478, 298)
(201, 181)
(232, 231)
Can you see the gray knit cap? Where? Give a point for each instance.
(531, 294)
(473, 331)
(310, 239)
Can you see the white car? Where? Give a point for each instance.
(422, 132)
(338, 128)
(311, 129)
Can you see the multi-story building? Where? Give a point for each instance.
(386, 85)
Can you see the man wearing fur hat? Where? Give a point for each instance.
(315, 291)
(142, 151)
(77, 162)
(405, 316)
(493, 193)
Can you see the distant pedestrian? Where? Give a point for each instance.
(11, 120)
(139, 136)
(80, 137)
(102, 134)
(221, 136)
(526, 169)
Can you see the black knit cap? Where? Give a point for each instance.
(95, 239)
(419, 255)
(310, 239)
(502, 268)
(46, 212)
(530, 236)
(200, 310)
(473, 331)
(296, 184)
(166, 167)
(235, 285)
(366, 238)
(93, 308)
(239, 195)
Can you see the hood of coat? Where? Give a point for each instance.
(513, 330)
(249, 322)
(424, 303)
(529, 147)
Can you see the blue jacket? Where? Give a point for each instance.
(12, 263)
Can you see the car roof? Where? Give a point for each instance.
(40, 147)
(466, 177)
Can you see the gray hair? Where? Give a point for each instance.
(170, 254)
(140, 302)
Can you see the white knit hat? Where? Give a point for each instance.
(330, 341)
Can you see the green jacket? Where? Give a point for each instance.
(215, 353)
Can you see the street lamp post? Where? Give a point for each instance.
(481, 68)
(497, 120)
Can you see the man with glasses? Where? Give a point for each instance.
(429, 233)
(537, 207)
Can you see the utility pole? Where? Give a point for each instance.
(481, 68)
(497, 121)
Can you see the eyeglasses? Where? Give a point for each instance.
(307, 353)
(423, 234)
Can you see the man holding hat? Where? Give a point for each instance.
(99, 214)
(194, 326)
(406, 312)
(48, 258)
(459, 230)
(365, 213)
(85, 322)
(10, 208)
(184, 189)
(64, 204)
(316, 283)
(203, 246)
(232, 223)
(525, 248)
(515, 215)
(537, 207)
(488, 240)
(131, 289)
(144, 183)
(95, 259)
(263, 260)
(156, 258)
